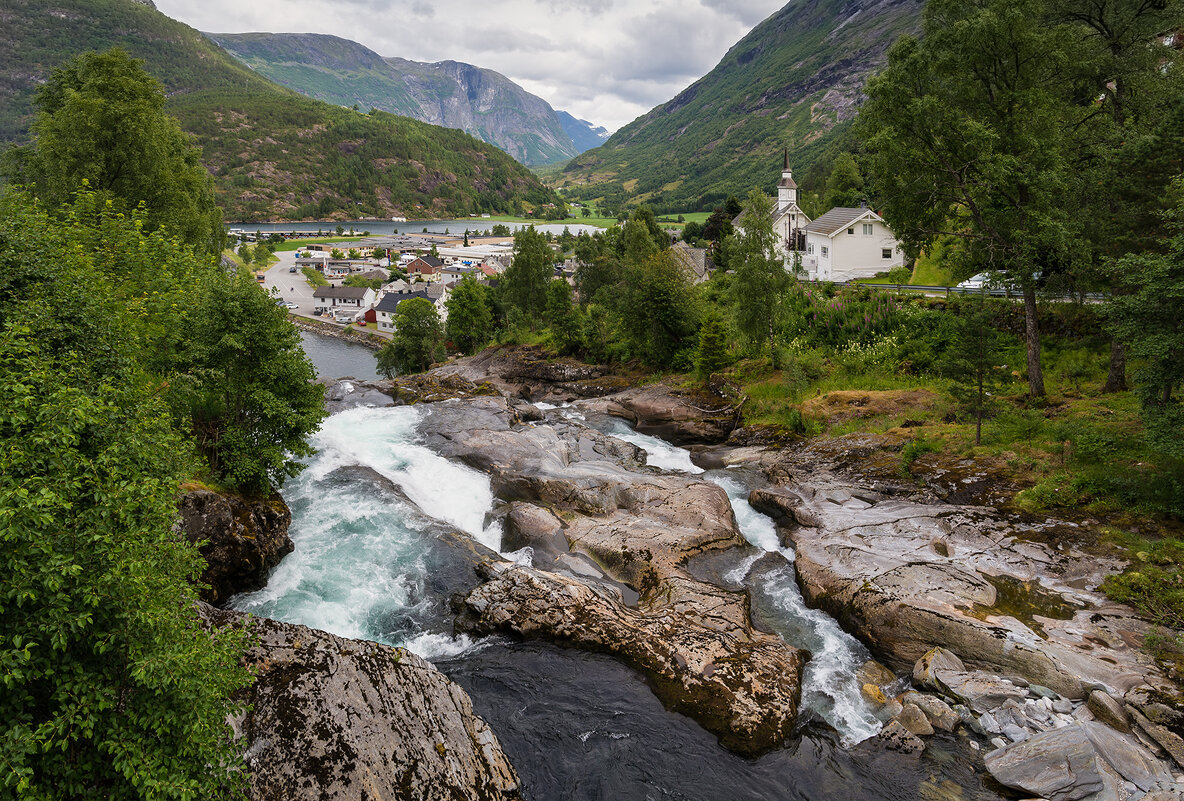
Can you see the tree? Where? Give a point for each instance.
(1148, 314)
(761, 283)
(470, 318)
(586, 212)
(111, 687)
(969, 131)
(659, 311)
(525, 282)
(562, 318)
(245, 384)
(972, 362)
(336, 253)
(844, 187)
(354, 253)
(418, 336)
(1136, 147)
(712, 353)
(101, 121)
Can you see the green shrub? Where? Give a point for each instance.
(1154, 584)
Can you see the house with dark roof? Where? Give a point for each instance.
(849, 243)
(384, 310)
(347, 297)
(694, 261)
(425, 268)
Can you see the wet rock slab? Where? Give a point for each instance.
(740, 685)
(635, 526)
(240, 539)
(345, 719)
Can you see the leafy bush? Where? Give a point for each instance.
(1154, 584)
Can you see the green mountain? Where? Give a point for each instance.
(273, 152)
(480, 102)
(791, 83)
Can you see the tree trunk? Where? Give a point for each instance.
(1116, 380)
(1032, 335)
(978, 413)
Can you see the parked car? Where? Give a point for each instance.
(292, 305)
(976, 281)
(291, 269)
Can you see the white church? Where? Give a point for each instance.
(842, 245)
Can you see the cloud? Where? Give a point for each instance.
(602, 60)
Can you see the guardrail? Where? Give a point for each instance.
(992, 292)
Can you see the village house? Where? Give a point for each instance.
(849, 243)
(695, 261)
(345, 297)
(384, 310)
(425, 268)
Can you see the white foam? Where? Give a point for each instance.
(658, 452)
(433, 646)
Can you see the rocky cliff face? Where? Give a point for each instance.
(243, 539)
(353, 721)
(481, 102)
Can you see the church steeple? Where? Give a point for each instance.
(787, 189)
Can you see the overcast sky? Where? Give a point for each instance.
(606, 61)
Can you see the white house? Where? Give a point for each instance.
(348, 297)
(845, 244)
(384, 311)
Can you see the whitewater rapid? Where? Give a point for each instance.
(361, 561)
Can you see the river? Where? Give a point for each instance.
(371, 561)
(339, 358)
(386, 228)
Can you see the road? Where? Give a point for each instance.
(294, 287)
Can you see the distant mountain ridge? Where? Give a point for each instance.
(584, 135)
(273, 153)
(792, 82)
(481, 102)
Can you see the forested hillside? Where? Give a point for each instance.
(791, 83)
(481, 102)
(273, 152)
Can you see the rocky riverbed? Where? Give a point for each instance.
(989, 632)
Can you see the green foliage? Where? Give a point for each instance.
(101, 121)
(760, 291)
(562, 319)
(844, 187)
(314, 276)
(524, 284)
(1154, 584)
(470, 316)
(712, 355)
(659, 312)
(369, 283)
(111, 687)
(972, 361)
(417, 339)
(246, 385)
(1148, 315)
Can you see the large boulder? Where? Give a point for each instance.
(905, 575)
(1086, 760)
(702, 659)
(345, 719)
(240, 539)
(680, 416)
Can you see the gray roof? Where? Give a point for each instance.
(391, 302)
(695, 259)
(836, 220)
(343, 292)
